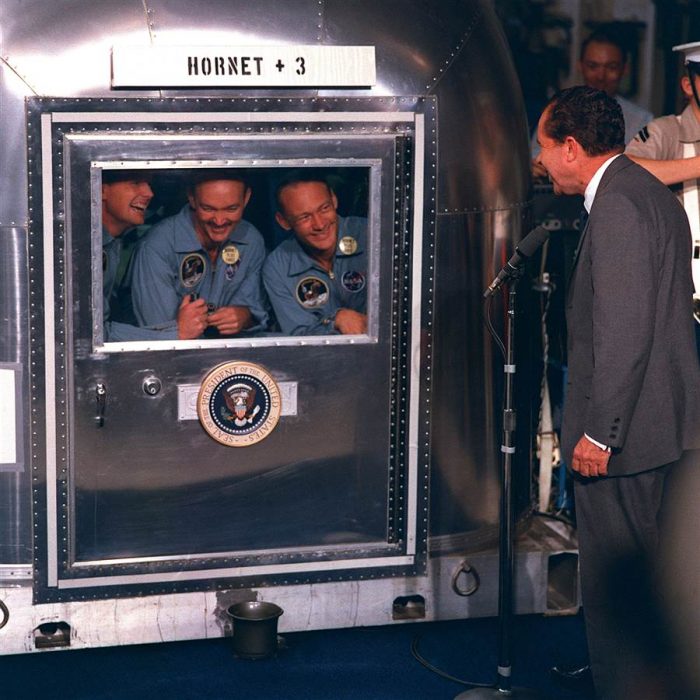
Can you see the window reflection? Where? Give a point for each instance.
(234, 253)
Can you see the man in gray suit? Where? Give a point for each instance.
(633, 398)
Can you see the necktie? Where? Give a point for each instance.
(582, 219)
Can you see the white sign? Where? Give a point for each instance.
(8, 417)
(243, 66)
(187, 400)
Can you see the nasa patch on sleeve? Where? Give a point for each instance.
(239, 403)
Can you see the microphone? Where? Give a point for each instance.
(529, 245)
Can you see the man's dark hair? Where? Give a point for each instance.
(693, 68)
(202, 175)
(298, 175)
(591, 116)
(606, 34)
(109, 177)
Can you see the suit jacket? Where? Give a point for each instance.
(634, 379)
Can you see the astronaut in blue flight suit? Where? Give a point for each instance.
(126, 195)
(198, 272)
(316, 280)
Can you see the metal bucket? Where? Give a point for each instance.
(254, 628)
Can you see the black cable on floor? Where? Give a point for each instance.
(424, 662)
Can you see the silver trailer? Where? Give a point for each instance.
(371, 494)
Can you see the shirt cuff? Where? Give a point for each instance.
(596, 443)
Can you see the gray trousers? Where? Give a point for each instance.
(620, 522)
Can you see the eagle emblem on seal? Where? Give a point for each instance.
(240, 401)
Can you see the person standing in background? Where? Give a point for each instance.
(669, 148)
(603, 62)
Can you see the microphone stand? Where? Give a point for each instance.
(506, 528)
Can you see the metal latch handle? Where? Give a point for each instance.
(101, 399)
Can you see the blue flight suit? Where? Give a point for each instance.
(111, 253)
(115, 331)
(171, 263)
(304, 296)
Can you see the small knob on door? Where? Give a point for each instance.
(152, 386)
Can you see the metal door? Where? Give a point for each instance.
(131, 493)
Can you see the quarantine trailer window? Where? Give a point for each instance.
(229, 252)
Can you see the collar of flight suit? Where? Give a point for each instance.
(108, 238)
(300, 261)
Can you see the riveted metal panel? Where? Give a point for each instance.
(454, 51)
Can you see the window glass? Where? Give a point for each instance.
(230, 253)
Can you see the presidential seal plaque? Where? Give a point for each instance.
(239, 404)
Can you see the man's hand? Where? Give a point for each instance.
(229, 320)
(191, 318)
(350, 322)
(589, 459)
